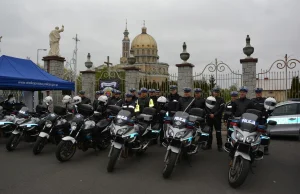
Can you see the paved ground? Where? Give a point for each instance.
(22, 172)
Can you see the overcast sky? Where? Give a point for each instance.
(211, 28)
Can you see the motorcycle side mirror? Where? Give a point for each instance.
(271, 122)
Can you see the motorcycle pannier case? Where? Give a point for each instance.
(114, 109)
(85, 109)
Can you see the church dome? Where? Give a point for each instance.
(144, 40)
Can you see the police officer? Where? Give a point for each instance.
(129, 103)
(96, 102)
(157, 93)
(139, 94)
(199, 100)
(228, 108)
(152, 95)
(242, 104)
(161, 110)
(258, 103)
(173, 99)
(116, 99)
(84, 100)
(133, 92)
(143, 101)
(186, 102)
(214, 119)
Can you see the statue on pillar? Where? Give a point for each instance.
(54, 38)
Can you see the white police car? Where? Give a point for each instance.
(287, 115)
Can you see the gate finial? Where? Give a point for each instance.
(248, 49)
(184, 55)
(89, 63)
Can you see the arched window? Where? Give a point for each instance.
(148, 52)
(138, 52)
(143, 52)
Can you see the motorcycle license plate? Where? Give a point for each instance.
(244, 148)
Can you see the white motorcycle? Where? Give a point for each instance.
(244, 145)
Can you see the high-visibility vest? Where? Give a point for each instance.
(137, 107)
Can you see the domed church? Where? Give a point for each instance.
(145, 51)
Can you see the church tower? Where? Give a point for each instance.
(125, 46)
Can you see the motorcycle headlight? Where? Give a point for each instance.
(250, 139)
(48, 124)
(121, 131)
(179, 134)
(239, 136)
(73, 126)
(170, 132)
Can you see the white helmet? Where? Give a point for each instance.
(76, 100)
(48, 100)
(103, 99)
(210, 102)
(270, 103)
(162, 99)
(66, 99)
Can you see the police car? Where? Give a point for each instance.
(287, 115)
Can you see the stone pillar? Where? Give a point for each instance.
(131, 78)
(55, 66)
(88, 79)
(185, 71)
(249, 69)
(132, 73)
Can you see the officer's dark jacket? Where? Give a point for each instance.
(85, 100)
(258, 104)
(218, 109)
(142, 103)
(241, 105)
(185, 104)
(114, 101)
(95, 104)
(173, 102)
(200, 103)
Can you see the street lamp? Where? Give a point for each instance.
(37, 55)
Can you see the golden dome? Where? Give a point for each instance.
(144, 40)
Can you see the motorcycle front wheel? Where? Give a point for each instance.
(115, 153)
(13, 142)
(65, 151)
(39, 145)
(170, 164)
(237, 174)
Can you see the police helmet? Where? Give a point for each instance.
(270, 103)
(76, 100)
(66, 99)
(48, 100)
(103, 99)
(210, 102)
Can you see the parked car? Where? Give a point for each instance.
(287, 116)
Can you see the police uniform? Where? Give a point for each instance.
(173, 100)
(134, 97)
(115, 100)
(153, 97)
(186, 103)
(215, 122)
(142, 103)
(199, 102)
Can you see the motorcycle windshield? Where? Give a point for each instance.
(180, 119)
(51, 117)
(248, 122)
(23, 113)
(122, 117)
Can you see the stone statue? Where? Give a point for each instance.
(54, 38)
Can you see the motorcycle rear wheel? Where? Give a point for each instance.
(115, 153)
(39, 145)
(237, 176)
(170, 164)
(65, 147)
(12, 142)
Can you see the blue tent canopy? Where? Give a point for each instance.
(23, 74)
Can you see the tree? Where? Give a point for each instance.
(233, 87)
(212, 82)
(295, 88)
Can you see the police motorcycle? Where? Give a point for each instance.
(245, 144)
(185, 133)
(56, 126)
(84, 132)
(9, 116)
(130, 135)
(27, 124)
